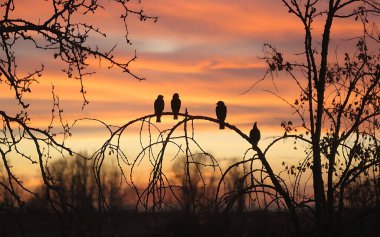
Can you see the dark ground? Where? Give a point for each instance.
(266, 224)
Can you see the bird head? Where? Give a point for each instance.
(175, 95)
(255, 125)
(220, 103)
(160, 97)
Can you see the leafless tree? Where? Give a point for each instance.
(338, 125)
(196, 181)
(338, 106)
(258, 181)
(74, 177)
(338, 110)
(64, 32)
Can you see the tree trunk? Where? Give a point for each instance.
(319, 193)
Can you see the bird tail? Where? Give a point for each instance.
(158, 119)
(175, 116)
(221, 125)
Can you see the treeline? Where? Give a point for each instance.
(76, 187)
(196, 191)
(193, 188)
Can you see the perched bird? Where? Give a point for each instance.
(254, 135)
(221, 113)
(176, 105)
(159, 105)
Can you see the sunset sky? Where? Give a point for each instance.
(204, 50)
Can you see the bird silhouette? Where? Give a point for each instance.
(176, 105)
(221, 113)
(159, 105)
(255, 135)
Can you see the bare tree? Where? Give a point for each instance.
(74, 178)
(338, 106)
(196, 180)
(258, 179)
(64, 33)
(338, 111)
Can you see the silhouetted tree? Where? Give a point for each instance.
(338, 106)
(197, 183)
(257, 177)
(74, 180)
(64, 32)
(338, 112)
(236, 184)
(7, 200)
(361, 194)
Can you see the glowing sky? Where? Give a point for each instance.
(204, 50)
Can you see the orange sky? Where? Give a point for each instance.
(204, 50)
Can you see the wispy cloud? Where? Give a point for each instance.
(204, 50)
